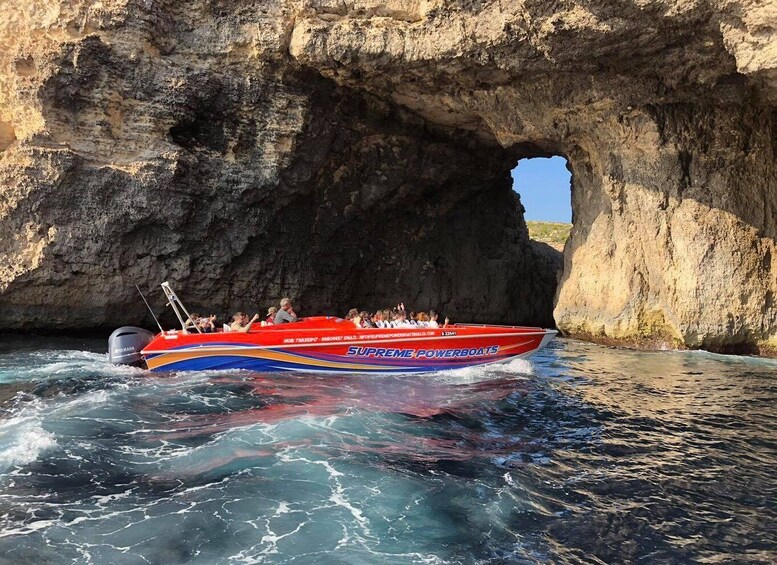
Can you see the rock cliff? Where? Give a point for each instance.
(359, 153)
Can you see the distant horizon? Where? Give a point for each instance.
(544, 185)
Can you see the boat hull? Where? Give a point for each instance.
(335, 346)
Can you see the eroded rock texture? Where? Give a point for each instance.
(359, 153)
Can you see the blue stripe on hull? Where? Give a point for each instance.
(223, 362)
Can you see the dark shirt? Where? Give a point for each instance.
(283, 316)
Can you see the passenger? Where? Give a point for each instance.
(433, 319)
(208, 325)
(377, 319)
(192, 322)
(270, 320)
(240, 322)
(400, 321)
(447, 321)
(286, 313)
(352, 313)
(366, 320)
(422, 319)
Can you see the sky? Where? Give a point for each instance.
(544, 186)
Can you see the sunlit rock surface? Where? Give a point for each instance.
(356, 154)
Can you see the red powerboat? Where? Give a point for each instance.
(328, 344)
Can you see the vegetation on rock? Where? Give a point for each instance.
(554, 234)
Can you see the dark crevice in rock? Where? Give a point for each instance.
(201, 131)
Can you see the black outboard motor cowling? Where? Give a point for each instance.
(126, 343)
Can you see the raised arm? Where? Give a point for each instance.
(247, 327)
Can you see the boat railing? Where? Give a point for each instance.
(178, 307)
(468, 325)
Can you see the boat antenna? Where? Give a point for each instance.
(150, 310)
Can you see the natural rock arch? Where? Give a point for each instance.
(361, 153)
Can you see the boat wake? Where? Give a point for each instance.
(60, 364)
(514, 368)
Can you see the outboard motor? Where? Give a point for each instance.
(126, 343)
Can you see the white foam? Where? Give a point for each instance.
(517, 365)
(27, 529)
(515, 368)
(89, 399)
(283, 508)
(338, 494)
(23, 439)
(22, 436)
(729, 359)
(63, 363)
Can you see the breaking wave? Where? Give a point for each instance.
(22, 437)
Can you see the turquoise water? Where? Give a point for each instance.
(582, 454)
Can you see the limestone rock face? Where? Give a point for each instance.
(359, 153)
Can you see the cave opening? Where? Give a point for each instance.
(544, 185)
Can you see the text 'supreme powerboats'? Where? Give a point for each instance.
(324, 344)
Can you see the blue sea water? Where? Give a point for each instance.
(582, 454)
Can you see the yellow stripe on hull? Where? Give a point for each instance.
(165, 359)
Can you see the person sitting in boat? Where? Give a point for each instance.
(432, 323)
(206, 325)
(192, 322)
(240, 322)
(352, 313)
(286, 313)
(271, 312)
(393, 319)
(405, 320)
(367, 320)
(377, 319)
(400, 320)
